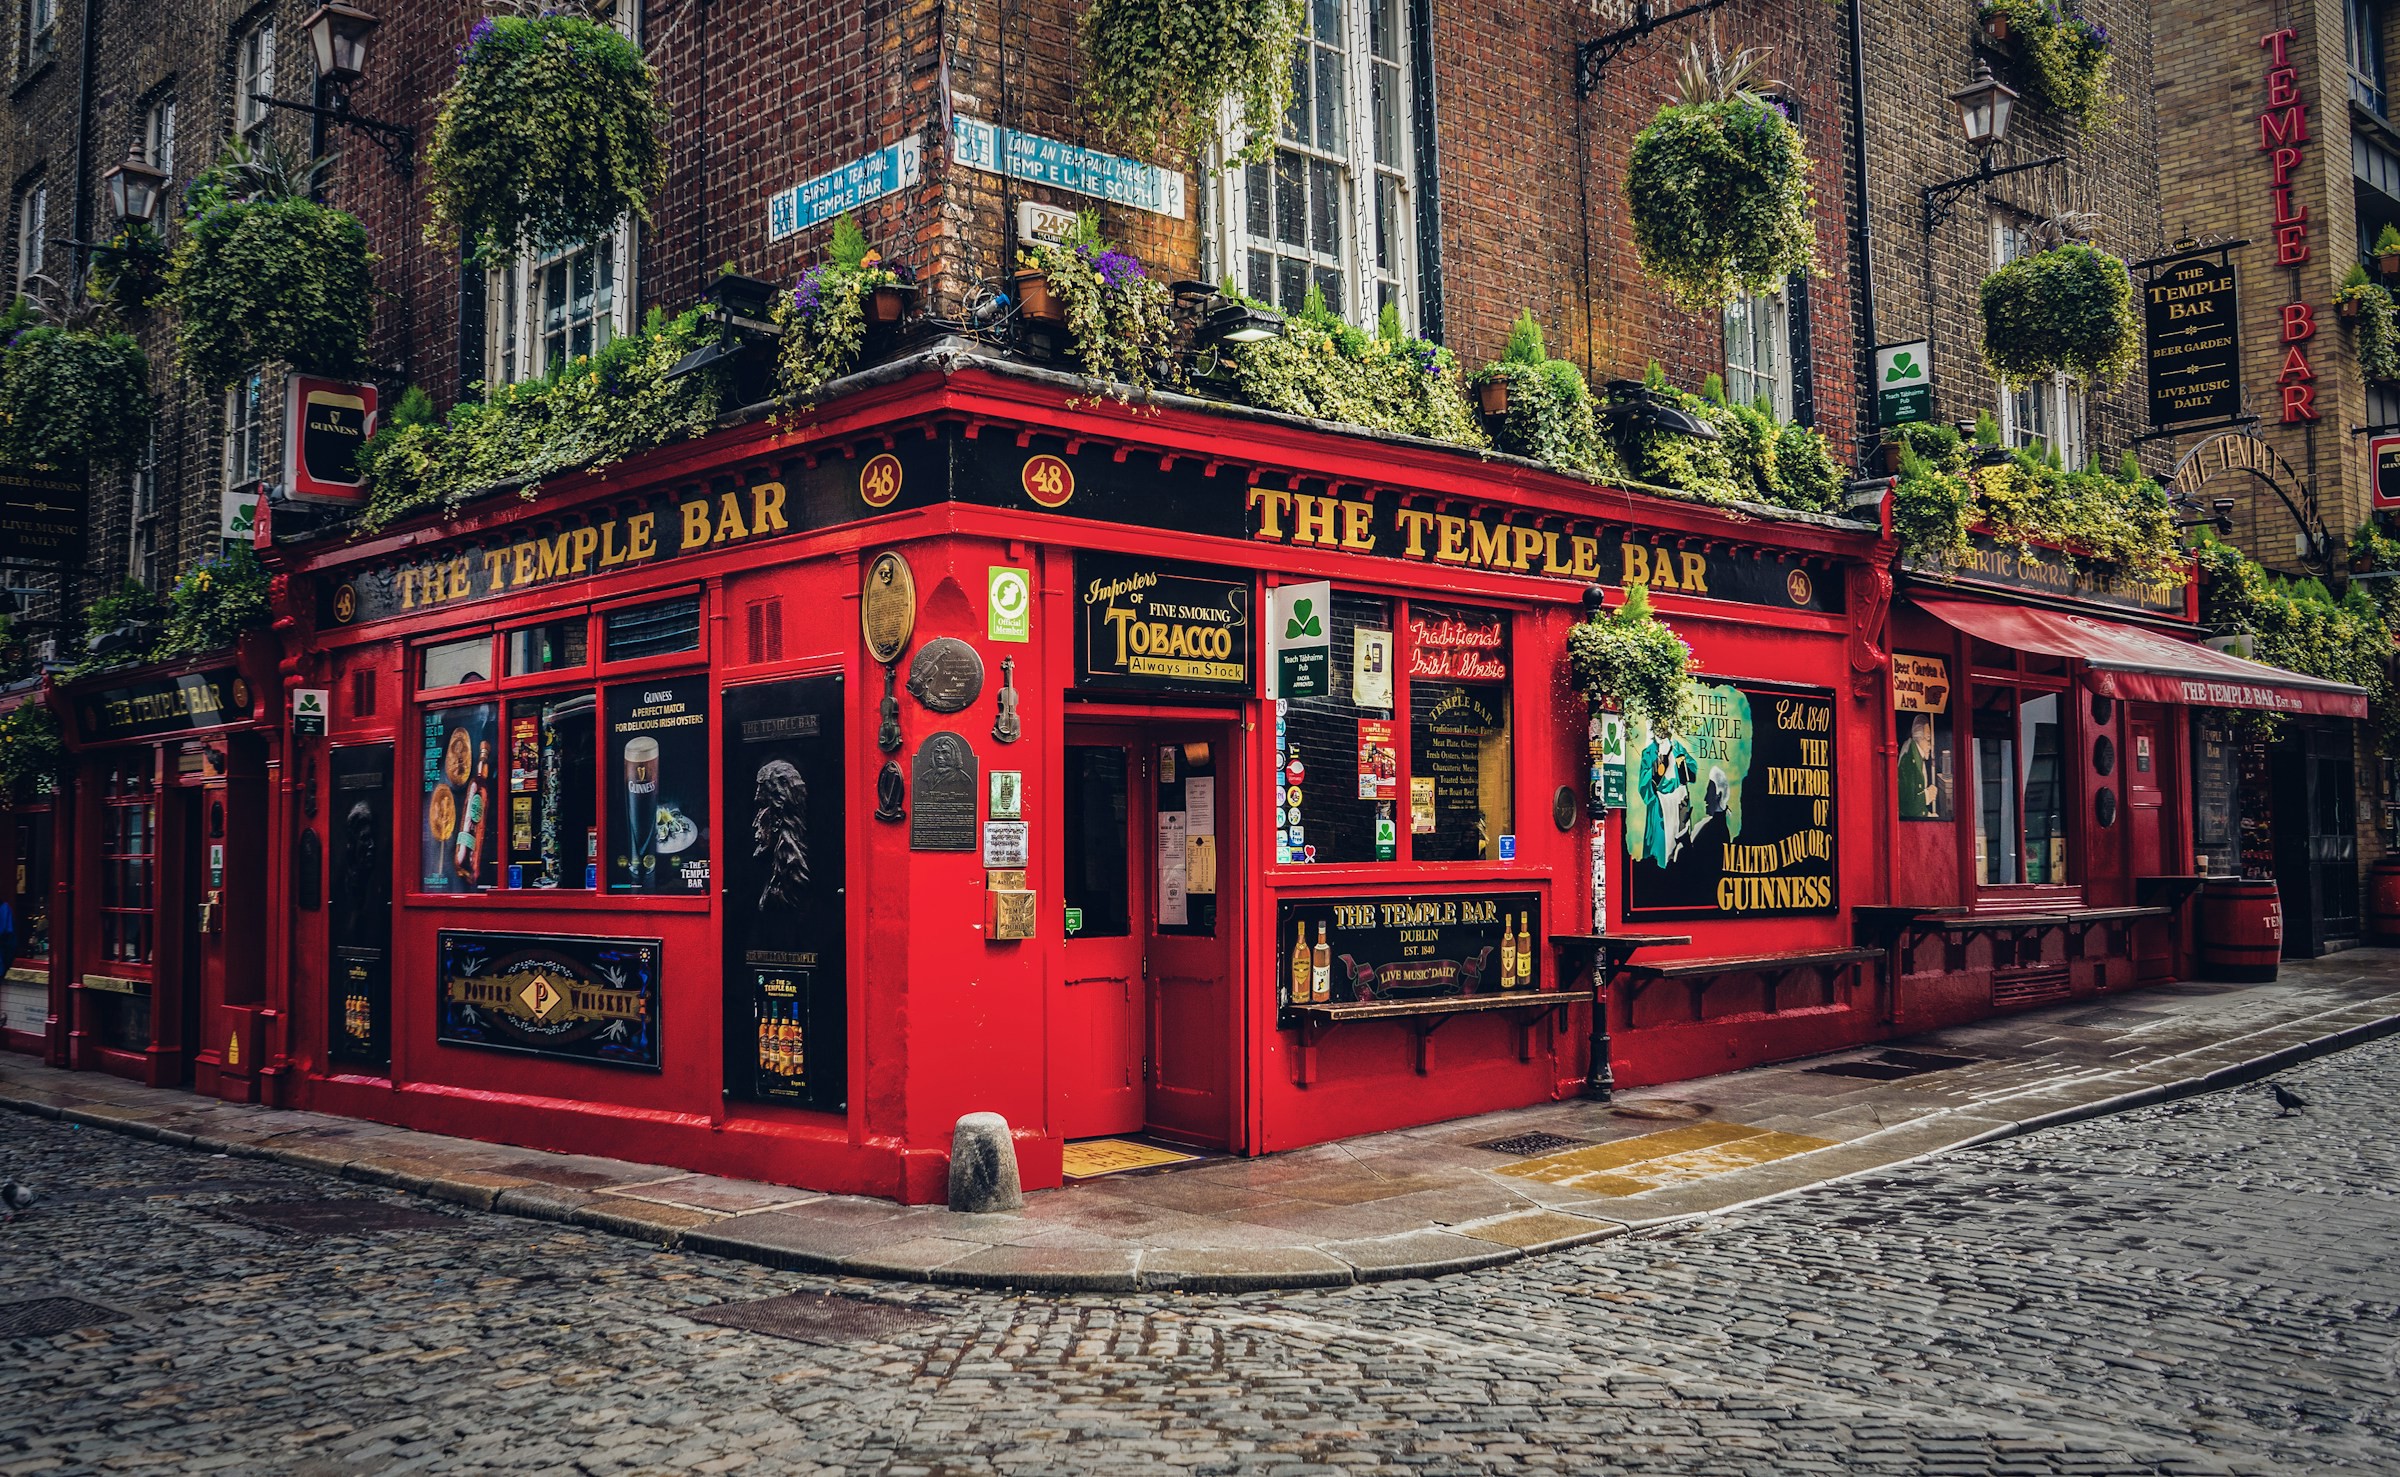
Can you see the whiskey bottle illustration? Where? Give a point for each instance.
(1525, 950)
(1301, 990)
(1320, 969)
(1508, 956)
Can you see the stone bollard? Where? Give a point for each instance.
(983, 1165)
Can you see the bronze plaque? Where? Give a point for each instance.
(947, 675)
(941, 814)
(887, 607)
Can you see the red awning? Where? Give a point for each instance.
(2142, 666)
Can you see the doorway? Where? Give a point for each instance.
(1142, 1032)
(2315, 828)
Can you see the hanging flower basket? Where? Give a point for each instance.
(891, 303)
(549, 134)
(1717, 186)
(73, 394)
(1159, 75)
(264, 274)
(2062, 58)
(2068, 310)
(1035, 301)
(2375, 321)
(826, 315)
(1628, 659)
(1118, 317)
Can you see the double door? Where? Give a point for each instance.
(1142, 1025)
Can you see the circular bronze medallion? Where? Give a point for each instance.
(887, 606)
(345, 604)
(947, 675)
(1562, 808)
(1798, 585)
(879, 480)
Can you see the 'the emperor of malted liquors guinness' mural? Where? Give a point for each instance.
(1730, 810)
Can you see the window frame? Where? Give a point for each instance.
(253, 74)
(1364, 277)
(2363, 54)
(2064, 404)
(250, 431)
(2024, 686)
(37, 31)
(33, 230)
(126, 787)
(1775, 335)
(156, 141)
(144, 515)
(503, 692)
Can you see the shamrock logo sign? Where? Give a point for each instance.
(1904, 367)
(1303, 621)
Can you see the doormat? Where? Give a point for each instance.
(1089, 1159)
(1891, 1066)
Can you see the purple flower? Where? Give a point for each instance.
(476, 37)
(808, 294)
(1117, 268)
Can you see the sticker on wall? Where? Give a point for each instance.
(309, 711)
(1008, 611)
(1300, 621)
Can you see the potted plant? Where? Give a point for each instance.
(1035, 301)
(1539, 407)
(129, 268)
(1160, 76)
(1717, 186)
(1627, 659)
(2063, 59)
(1119, 319)
(2065, 310)
(549, 133)
(2387, 251)
(265, 274)
(2374, 319)
(1326, 369)
(1995, 23)
(826, 315)
(1491, 395)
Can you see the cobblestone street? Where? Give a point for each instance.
(2203, 1286)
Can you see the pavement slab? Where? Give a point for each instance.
(1402, 1203)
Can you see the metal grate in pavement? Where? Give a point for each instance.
(2030, 984)
(41, 1317)
(356, 1217)
(1891, 1066)
(1525, 1145)
(818, 1318)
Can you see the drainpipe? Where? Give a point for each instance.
(83, 139)
(1862, 249)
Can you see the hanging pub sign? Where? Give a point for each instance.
(2383, 466)
(1731, 811)
(1419, 946)
(1149, 625)
(1920, 684)
(2190, 313)
(176, 704)
(786, 951)
(584, 999)
(43, 516)
(325, 422)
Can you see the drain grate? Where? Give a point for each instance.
(1891, 1066)
(2030, 984)
(819, 1318)
(332, 1217)
(41, 1317)
(1524, 1144)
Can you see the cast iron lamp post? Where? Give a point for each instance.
(338, 33)
(135, 188)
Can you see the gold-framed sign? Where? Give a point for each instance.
(887, 606)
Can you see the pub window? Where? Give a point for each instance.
(455, 663)
(142, 549)
(128, 863)
(157, 142)
(1758, 351)
(2046, 416)
(1097, 885)
(651, 630)
(37, 30)
(33, 233)
(34, 840)
(1460, 766)
(2020, 786)
(551, 647)
(458, 844)
(254, 67)
(553, 838)
(1335, 810)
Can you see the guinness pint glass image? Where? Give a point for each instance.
(641, 811)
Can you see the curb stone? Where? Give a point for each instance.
(1339, 1266)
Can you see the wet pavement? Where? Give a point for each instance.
(1447, 1197)
(2199, 1286)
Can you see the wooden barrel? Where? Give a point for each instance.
(2241, 929)
(2383, 901)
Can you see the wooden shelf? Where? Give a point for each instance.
(1334, 1013)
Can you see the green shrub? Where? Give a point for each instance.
(1158, 75)
(2066, 310)
(1328, 370)
(1629, 657)
(211, 604)
(71, 394)
(1717, 186)
(270, 280)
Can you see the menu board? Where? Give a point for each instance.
(654, 768)
(1732, 812)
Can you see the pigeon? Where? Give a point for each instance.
(2286, 1100)
(13, 1198)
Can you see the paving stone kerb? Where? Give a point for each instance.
(1421, 1203)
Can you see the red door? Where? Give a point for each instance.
(2146, 789)
(1096, 1024)
(1140, 1035)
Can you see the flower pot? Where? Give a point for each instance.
(1892, 451)
(2348, 307)
(1036, 301)
(2389, 263)
(890, 304)
(1492, 394)
(1995, 26)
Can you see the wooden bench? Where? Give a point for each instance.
(1427, 1016)
(1700, 973)
(1597, 956)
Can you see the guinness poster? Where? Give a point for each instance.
(1731, 813)
(359, 912)
(2189, 312)
(654, 773)
(1148, 625)
(584, 999)
(1355, 951)
(786, 953)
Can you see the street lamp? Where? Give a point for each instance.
(135, 188)
(339, 33)
(1984, 106)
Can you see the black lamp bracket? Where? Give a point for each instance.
(1592, 57)
(398, 140)
(1941, 201)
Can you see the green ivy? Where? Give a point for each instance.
(548, 135)
(1329, 370)
(1720, 200)
(258, 281)
(2120, 523)
(2300, 626)
(1933, 503)
(1630, 658)
(73, 394)
(130, 604)
(1755, 458)
(1158, 74)
(31, 755)
(211, 604)
(129, 268)
(1551, 416)
(587, 413)
(2066, 310)
(2375, 324)
(1119, 318)
(824, 316)
(2064, 57)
